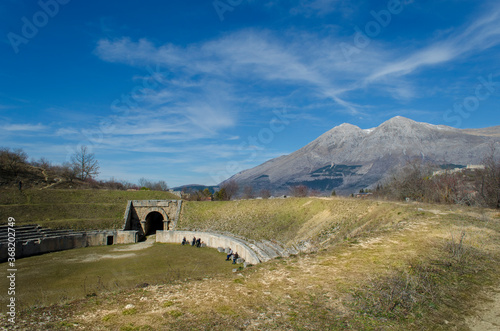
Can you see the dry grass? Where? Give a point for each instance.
(380, 266)
(293, 220)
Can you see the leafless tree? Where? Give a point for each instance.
(85, 164)
(265, 193)
(248, 192)
(155, 186)
(488, 180)
(42, 163)
(412, 181)
(67, 171)
(12, 161)
(230, 187)
(299, 191)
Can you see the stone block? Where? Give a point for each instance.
(221, 249)
(240, 260)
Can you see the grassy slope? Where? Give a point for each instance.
(292, 220)
(380, 265)
(71, 209)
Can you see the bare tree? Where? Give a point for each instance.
(85, 164)
(42, 163)
(230, 188)
(161, 185)
(411, 181)
(155, 186)
(14, 161)
(299, 191)
(488, 180)
(265, 193)
(67, 171)
(248, 192)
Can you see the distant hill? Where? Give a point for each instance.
(348, 158)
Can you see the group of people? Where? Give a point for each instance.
(198, 243)
(234, 255)
(194, 242)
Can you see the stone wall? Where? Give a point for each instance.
(48, 244)
(127, 237)
(211, 240)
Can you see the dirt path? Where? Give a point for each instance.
(150, 240)
(115, 253)
(488, 317)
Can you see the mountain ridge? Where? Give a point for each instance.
(347, 158)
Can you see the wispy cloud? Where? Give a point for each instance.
(475, 37)
(23, 127)
(211, 87)
(321, 7)
(209, 80)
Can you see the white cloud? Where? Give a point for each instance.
(482, 34)
(24, 127)
(321, 7)
(209, 84)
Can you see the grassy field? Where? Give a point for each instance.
(376, 266)
(71, 209)
(65, 276)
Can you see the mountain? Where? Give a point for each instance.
(347, 158)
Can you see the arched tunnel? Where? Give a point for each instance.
(154, 222)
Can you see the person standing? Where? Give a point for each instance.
(235, 257)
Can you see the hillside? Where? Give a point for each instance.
(71, 209)
(372, 266)
(347, 158)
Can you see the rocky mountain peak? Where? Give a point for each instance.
(347, 158)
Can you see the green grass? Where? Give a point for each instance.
(94, 271)
(72, 209)
(377, 266)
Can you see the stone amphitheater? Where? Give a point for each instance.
(142, 218)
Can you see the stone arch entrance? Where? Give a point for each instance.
(148, 216)
(154, 222)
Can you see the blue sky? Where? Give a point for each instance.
(195, 91)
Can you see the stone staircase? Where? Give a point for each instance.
(24, 233)
(268, 250)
